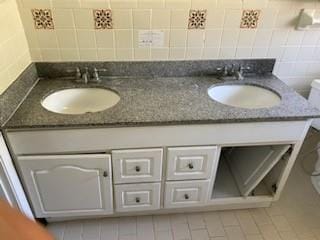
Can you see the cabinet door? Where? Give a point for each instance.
(250, 165)
(68, 185)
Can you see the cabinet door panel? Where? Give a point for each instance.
(72, 185)
(250, 165)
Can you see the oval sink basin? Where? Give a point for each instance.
(80, 100)
(244, 96)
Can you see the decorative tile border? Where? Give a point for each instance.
(102, 19)
(250, 18)
(197, 19)
(42, 18)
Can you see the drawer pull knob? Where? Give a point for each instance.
(186, 196)
(137, 169)
(190, 165)
(137, 200)
(105, 174)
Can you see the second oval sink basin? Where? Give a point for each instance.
(244, 96)
(80, 100)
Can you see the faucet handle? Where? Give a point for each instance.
(95, 74)
(86, 70)
(76, 71)
(100, 70)
(223, 70)
(244, 68)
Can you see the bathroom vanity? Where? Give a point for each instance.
(135, 170)
(165, 146)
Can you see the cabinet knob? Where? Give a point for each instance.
(137, 200)
(138, 169)
(105, 173)
(190, 166)
(186, 196)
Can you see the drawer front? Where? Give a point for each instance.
(186, 193)
(137, 197)
(137, 165)
(186, 163)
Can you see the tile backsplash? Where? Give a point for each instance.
(108, 30)
(14, 53)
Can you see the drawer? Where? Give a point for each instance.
(186, 163)
(137, 197)
(186, 193)
(137, 165)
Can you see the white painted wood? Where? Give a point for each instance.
(186, 193)
(214, 170)
(186, 163)
(225, 186)
(13, 184)
(137, 165)
(102, 139)
(5, 191)
(137, 197)
(286, 171)
(68, 185)
(273, 177)
(250, 165)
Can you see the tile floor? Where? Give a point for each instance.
(296, 216)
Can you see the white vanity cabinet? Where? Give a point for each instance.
(155, 169)
(68, 185)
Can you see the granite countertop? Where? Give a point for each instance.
(147, 101)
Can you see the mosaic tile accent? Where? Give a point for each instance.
(197, 19)
(250, 18)
(42, 18)
(102, 18)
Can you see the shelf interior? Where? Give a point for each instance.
(225, 185)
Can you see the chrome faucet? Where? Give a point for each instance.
(239, 73)
(76, 71)
(232, 73)
(96, 75)
(86, 75)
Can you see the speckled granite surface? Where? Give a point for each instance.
(160, 101)
(12, 97)
(156, 68)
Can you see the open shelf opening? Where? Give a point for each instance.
(250, 171)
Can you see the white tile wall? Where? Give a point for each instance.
(74, 37)
(14, 53)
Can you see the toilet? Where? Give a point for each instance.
(314, 99)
